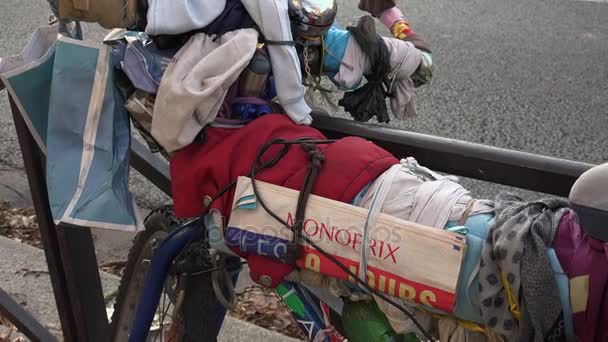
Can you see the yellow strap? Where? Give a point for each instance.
(471, 326)
(513, 305)
(474, 327)
(400, 28)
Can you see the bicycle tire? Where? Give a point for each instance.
(194, 321)
(199, 306)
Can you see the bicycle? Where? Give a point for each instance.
(192, 278)
(187, 293)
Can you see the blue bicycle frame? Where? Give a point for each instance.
(312, 315)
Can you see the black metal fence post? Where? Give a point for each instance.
(23, 320)
(70, 254)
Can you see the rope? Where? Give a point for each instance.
(316, 159)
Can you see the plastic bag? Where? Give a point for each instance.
(369, 100)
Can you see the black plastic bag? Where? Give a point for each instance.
(369, 100)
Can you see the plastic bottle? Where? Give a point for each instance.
(253, 79)
(364, 322)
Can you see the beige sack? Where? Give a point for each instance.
(107, 13)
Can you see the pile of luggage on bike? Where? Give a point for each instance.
(228, 91)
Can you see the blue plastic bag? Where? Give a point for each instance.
(77, 116)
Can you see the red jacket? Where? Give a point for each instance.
(201, 170)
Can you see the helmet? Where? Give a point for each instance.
(312, 18)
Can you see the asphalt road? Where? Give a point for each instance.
(520, 74)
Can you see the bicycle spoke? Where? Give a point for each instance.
(170, 289)
(162, 318)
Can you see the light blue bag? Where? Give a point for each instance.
(77, 116)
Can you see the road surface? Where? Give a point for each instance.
(520, 74)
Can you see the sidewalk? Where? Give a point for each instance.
(24, 274)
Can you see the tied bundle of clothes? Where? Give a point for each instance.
(196, 64)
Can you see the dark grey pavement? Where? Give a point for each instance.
(519, 74)
(527, 75)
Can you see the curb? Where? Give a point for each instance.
(24, 275)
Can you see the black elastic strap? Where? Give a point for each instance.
(290, 43)
(593, 221)
(315, 161)
(280, 42)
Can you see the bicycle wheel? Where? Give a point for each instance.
(176, 319)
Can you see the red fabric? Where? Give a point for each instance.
(201, 170)
(273, 269)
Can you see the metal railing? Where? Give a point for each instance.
(497, 165)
